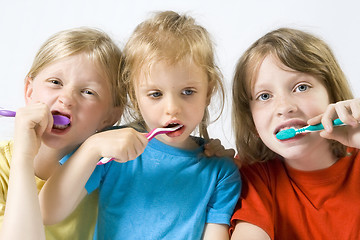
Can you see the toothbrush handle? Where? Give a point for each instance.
(338, 122)
(58, 119)
(7, 113)
(104, 160)
(318, 127)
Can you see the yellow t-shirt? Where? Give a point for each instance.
(78, 226)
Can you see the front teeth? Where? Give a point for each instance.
(60, 126)
(293, 127)
(172, 125)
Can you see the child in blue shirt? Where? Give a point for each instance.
(164, 188)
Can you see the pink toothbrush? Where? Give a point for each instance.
(58, 119)
(153, 133)
(156, 131)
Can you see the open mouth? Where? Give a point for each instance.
(60, 124)
(171, 125)
(288, 127)
(61, 127)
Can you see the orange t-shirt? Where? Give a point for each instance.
(292, 204)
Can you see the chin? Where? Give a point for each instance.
(55, 142)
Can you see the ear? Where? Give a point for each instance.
(114, 116)
(28, 89)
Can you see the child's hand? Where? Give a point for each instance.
(121, 144)
(214, 148)
(349, 113)
(31, 122)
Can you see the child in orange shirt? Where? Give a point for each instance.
(304, 187)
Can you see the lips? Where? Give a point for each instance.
(293, 123)
(174, 123)
(176, 133)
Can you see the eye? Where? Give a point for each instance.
(55, 81)
(302, 88)
(156, 94)
(188, 92)
(88, 92)
(264, 96)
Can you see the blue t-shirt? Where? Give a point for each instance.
(165, 193)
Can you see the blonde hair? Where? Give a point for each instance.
(172, 38)
(99, 48)
(297, 50)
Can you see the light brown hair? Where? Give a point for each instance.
(98, 46)
(172, 38)
(298, 50)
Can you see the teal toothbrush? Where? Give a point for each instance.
(291, 132)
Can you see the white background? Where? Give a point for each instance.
(234, 25)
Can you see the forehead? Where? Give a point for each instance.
(265, 68)
(80, 65)
(77, 60)
(183, 71)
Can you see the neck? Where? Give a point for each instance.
(320, 157)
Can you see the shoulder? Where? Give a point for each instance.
(6, 145)
(263, 171)
(6, 148)
(137, 126)
(268, 166)
(224, 167)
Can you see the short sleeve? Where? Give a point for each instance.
(255, 203)
(95, 179)
(66, 157)
(226, 194)
(5, 156)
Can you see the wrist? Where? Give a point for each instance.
(91, 147)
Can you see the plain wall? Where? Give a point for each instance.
(234, 25)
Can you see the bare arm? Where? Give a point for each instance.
(215, 232)
(66, 187)
(248, 231)
(22, 203)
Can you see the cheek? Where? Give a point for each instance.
(38, 95)
(257, 115)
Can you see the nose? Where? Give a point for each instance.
(173, 105)
(66, 97)
(285, 106)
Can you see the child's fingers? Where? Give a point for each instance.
(226, 153)
(36, 117)
(212, 147)
(45, 124)
(215, 148)
(328, 116)
(348, 111)
(355, 109)
(345, 110)
(315, 120)
(133, 145)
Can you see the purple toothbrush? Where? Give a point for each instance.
(58, 119)
(153, 133)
